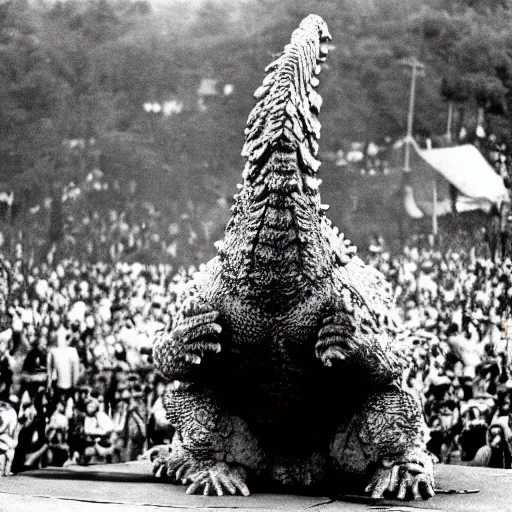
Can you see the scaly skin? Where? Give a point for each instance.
(283, 322)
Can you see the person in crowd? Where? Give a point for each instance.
(98, 429)
(57, 430)
(34, 372)
(32, 442)
(6, 366)
(62, 367)
(160, 430)
(496, 453)
(8, 437)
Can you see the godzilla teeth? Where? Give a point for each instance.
(324, 207)
(324, 50)
(219, 245)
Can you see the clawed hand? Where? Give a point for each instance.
(404, 480)
(197, 331)
(334, 340)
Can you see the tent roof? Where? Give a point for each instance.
(466, 168)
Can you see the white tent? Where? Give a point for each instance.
(436, 174)
(466, 168)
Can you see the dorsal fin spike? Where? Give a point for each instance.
(286, 99)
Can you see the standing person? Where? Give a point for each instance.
(6, 372)
(34, 372)
(63, 367)
(8, 437)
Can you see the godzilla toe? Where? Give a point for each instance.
(403, 481)
(218, 480)
(171, 466)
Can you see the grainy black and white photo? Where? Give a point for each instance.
(256, 254)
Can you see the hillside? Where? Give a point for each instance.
(79, 83)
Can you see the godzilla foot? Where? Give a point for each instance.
(218, 479)
(207, 478)
(405, 480)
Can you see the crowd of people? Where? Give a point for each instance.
(76, 351)
(75, 359)
(456, 303)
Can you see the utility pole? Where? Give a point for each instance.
(418, 69)
(449, 121)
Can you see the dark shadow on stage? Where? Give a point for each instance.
(96, 476)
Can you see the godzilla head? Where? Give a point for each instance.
(276, 237)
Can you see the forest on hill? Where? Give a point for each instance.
(157, 93)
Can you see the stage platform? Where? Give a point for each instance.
(131, 488)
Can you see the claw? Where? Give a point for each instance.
(219, 479)
(227, 484)
(217, 485)
(191, 489)
(404, 478)
(192, 358)
(394, 478)
(332, 354)
(181, 473)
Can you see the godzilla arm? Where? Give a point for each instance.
(194, 334)
(361, 326)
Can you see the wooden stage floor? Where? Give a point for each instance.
(131, 488)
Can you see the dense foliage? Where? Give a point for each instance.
(74, 77)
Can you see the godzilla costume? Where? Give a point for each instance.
(281, 355)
